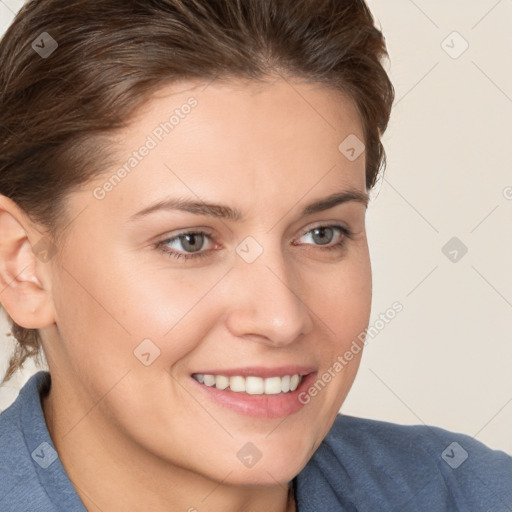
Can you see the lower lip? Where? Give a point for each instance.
(260, 406)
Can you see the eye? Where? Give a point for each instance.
(323, 236)
(191, 244)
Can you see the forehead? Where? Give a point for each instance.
(242, 139)
(226, 106)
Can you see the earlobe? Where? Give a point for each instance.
(23, 292)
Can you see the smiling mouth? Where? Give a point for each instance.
(251, 385)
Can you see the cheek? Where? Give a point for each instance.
(93, 341)
(344, 304)
(342, 297)
(175, 309)
(101, 307)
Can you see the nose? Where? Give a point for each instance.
(267, 302)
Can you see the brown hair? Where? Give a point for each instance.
(57, 110)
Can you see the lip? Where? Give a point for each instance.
(260, 371)
(258, 406)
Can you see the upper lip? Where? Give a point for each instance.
(260, 371)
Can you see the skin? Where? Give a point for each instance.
(136, 437)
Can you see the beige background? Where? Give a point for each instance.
(446, 358)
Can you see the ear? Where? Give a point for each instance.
(25, 274)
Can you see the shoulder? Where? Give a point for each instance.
(13, 468)
(376, 465)
(29, 468)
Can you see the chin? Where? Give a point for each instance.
(272, 467)
(262, 475)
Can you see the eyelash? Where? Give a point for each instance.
(161, 246)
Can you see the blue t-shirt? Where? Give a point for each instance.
(361, 466)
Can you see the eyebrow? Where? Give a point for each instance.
(226, 212)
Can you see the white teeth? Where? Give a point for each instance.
(209, 380)
(254, 385)
(273, 386)
(285, 384)
(237, 384)
(294, 382)
(221, 382)
(251, 385)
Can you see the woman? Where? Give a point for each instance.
(182, 223)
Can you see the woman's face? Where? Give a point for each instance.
(139, 311)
